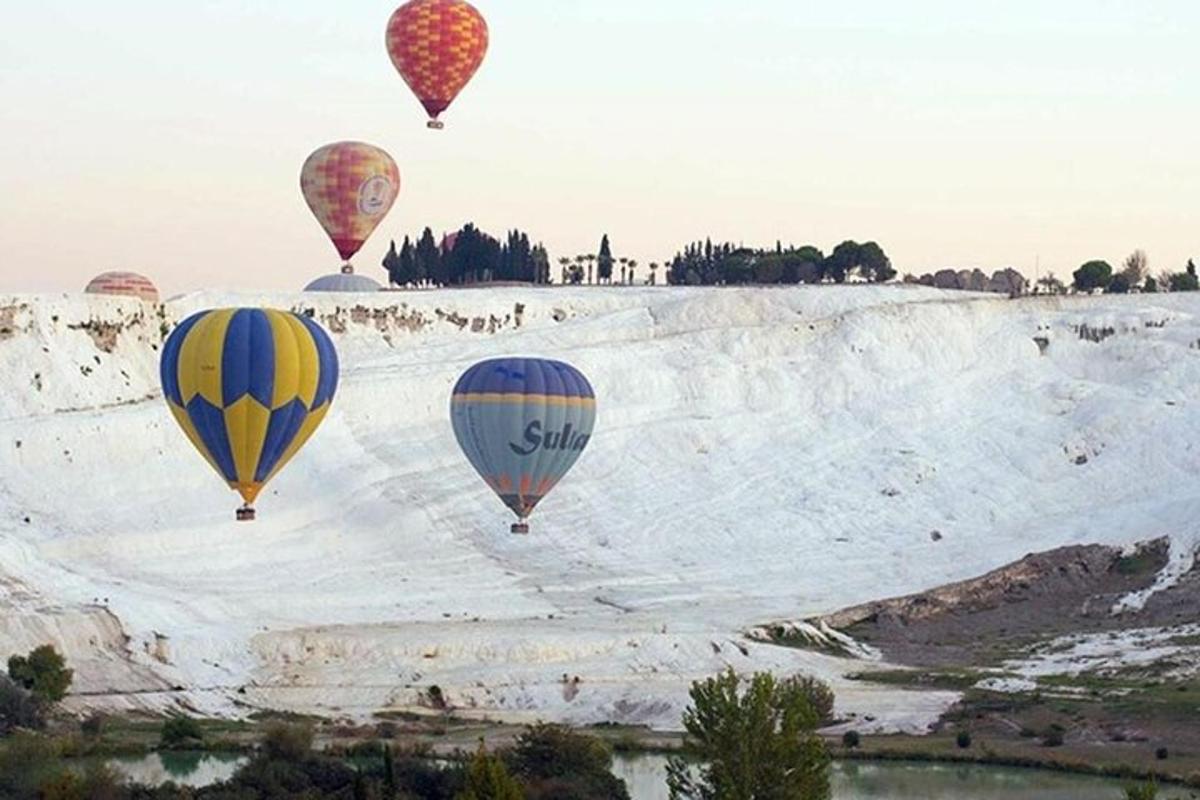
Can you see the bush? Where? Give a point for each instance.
(27, 761)
(285, 741)
(963, 740)
(1162, 754)
(18, 708)
(43, 672)
(555, 762)
(98, 783)
(1054, 736)
(850, 739)
(819, 696)
(94, 725)
(1146, 791)
(489, 779)
(181, 730)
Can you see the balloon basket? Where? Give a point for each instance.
(245, 514)
(520, 528)
(435, 125)
(347, 268)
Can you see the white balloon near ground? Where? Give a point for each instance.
(343, 282)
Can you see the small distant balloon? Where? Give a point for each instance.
(523, 423)
(129, 284)
(437, 46)
(249, 386)
(350, 187)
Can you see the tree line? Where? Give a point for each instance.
(1134, 275)
(466, 257)
(708, 264)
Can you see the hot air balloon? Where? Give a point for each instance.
(437, 46)
(130, 284)
(350, 187)
(522, 423)
(343, 282)
(249, 387)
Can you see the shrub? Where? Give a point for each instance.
(1145, 791)
(18, 708)
(489, 779)
(27, 761)
(386, 730)
(93, 725)
(850, 739)
(963, 740)
(555, 762)
(43, 672)
(819, 696)
(181, 730)
(1054, 736)
(1162, 754)
(285, 741)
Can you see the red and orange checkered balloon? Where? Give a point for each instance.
(350, 187)
(437, 46)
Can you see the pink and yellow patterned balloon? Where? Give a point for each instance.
(350, 187)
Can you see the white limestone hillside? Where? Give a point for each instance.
(760, 455)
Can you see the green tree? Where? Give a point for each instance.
(842, 261)
(428, 259)
(757, 744)
(1150, 286)
(43, 672)
(555, 762)
(1118, 285)
(1184, 282)
(540, 260)
(1093, 275)
(874, 263)
(604, 261)
(488, 779)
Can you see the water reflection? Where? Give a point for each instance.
(192, 769)
(856, 780)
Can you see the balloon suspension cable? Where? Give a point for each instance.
(435, 124)
(246, 513)
(347, 268)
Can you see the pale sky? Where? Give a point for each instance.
(167, 137)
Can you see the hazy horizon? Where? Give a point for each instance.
(168, 139)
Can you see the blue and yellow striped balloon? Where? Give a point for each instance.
(523, 423)
(248, 386)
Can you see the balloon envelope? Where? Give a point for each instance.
(249, 387)
(437, 46)
(523, 423)
(130, 284)
(350, 187)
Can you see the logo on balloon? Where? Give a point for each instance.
(566, 439)
(375, 196)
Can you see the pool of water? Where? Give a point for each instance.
(646, 777)
(183, 768)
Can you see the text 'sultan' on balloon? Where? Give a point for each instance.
(350, 187)
(248, 386)
(523, 423)
(437, 46)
